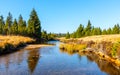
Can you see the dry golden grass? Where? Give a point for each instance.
(72, 47)
(99, 38)
(14, 40)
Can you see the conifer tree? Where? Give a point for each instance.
(109, 31)
(21, 26)
(73, 35)
(8, 24)
(79, 32)
(1, 25)
(67, 35)
(34, 25)
(88, 29)
(14, 28)
(24, 28)
(116, 29)
(96, 31)
(104, 32)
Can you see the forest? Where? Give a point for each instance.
(31, 28)
(90, 30)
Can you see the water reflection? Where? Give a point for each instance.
(11, 58)
(104, 65)
(33, 58)
(68, 52)
(16, 63)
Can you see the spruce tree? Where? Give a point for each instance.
(98, 31)
(104, 32)
(109, 31)
(73, 35)
(116, 29)
(1, 25)
(88, 29)
(8, 24)
(24, 28)
(34, 25)
(21, 26)
(79, 32)
(67, 35)
(14, 28)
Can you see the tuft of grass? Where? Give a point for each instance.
(72, 47)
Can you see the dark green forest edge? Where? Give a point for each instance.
(31, 28)
(90, 30)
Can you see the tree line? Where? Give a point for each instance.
(31, 28)
(90, 30)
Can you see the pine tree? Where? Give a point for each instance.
(79, 32)
(67, 35)
(96, 31)
(14, 28)
(99, 31)
(21, 25)
(116, 29)
(34, 26)
(88, 29)
(104, 32)
(73, 35)
(24, 28)
(8, 24)
(109, 31)
(1, 25)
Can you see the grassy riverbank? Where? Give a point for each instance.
(10, 43)
(106, 46)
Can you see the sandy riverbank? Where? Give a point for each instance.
(32, 46)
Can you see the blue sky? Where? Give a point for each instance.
(65, 15)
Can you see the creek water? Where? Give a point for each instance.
(53, 61)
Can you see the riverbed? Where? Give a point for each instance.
(51, 60)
